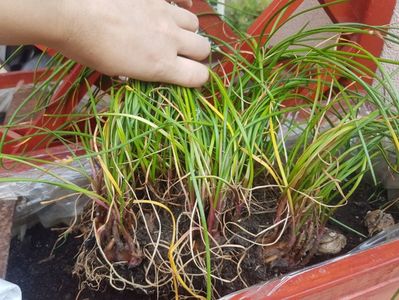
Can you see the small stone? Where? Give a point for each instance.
(331, 242)
(377, 221)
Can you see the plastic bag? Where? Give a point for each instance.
(9, 291)
(43, 202)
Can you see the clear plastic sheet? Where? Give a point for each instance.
(63, 203)
(9, 291)
(386, 236)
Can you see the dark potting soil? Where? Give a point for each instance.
(45, 274)
(367, 198)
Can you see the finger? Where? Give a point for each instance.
(183, 3)
(192, 45)
(184, 19)
(186, 72)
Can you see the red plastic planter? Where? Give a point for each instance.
(370, 274)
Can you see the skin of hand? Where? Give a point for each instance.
(150, 40)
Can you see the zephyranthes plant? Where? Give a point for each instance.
(189, 184)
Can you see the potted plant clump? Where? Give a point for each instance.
(199, 193)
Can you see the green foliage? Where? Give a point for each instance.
(164, 147)
(242, 13)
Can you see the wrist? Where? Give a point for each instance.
(62, 22)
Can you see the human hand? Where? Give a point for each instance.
(150, 40)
